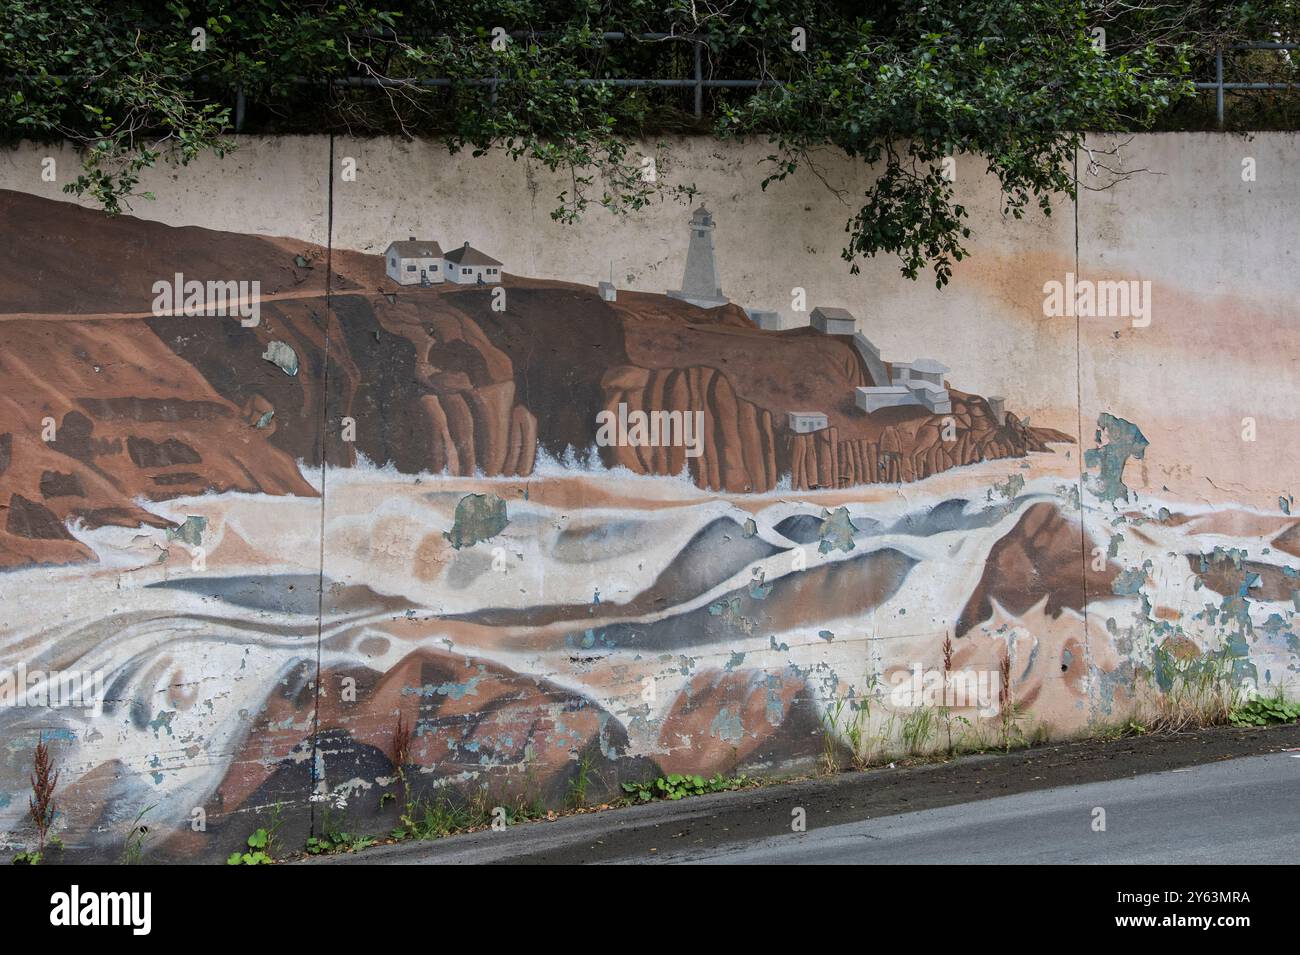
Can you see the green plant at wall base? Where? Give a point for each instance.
(437, 818)
(133, 850)
(273, 828)
(1194, 687)
(42, 807)
(257, 851)
(855, 734)
(917, 728)
(1004, 86)
(577, 796)
(1008, 709)
(678, 786)
(1265, 711)
(830, 762)
(336, 842)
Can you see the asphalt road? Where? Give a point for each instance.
(1237, 811)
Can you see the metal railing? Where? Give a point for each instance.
(697, 81)
(1219, 86)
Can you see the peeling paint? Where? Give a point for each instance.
(1123, 441)
(479, 517)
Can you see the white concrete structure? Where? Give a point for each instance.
(414, 261)
(765, 319)
(608, 292)
(998, 405)
(700, 283)
(806, 422)
(918, 382)
(468, 266)
(833, 321)
(934, 397)
(871, 358)
(883, 396)
(925, 370)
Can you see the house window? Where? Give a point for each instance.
(465, 271)
(393, 262)
(410, 268)
(433, 268)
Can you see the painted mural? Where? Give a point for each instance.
(270, 501)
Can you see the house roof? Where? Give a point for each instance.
(836, 313)
(468, 255)
(415, 249)
(929, 366)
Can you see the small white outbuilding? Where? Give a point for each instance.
(806, 422)
(414, 262)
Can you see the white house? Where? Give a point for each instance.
(806, 422)
(414, 261)
(608, 292)
(833, 321)
(467, 266)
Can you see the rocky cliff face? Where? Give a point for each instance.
(748, 448)
(737, 444)
(108, 405)
(911, 449)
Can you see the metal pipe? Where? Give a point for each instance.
(585, 81)
(699, 79)
(1218, 79)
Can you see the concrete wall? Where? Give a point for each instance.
(273, 541)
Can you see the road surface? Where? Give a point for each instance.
(1237, 811)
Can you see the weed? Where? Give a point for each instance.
(678, 786)
(918, 726)
(273, 828)
(435, 818)
(854, 733)
(256, 854)
(1185, 687)
(945, 711)
(336, 842)
(1007, 704)
(133, 850)
(579, 783)
(830, 760)
(1265, 711)
(41, 804)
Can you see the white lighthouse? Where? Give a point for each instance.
(700, 284)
